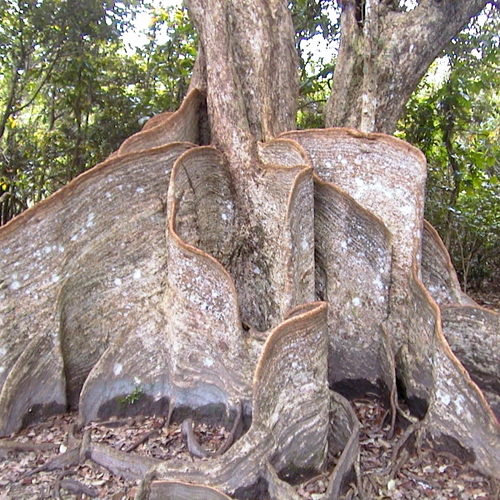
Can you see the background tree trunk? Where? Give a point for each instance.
(383, 55)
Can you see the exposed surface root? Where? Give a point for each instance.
(72, 485)
(435, 476)
(400, 453)
(146, 436)
(194, 446)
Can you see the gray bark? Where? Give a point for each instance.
(250, 66)
(383, 56)
(251, 273)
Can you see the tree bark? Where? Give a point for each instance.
(383, 56)
(250, 66)
(254, 273)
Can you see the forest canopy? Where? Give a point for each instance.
(70, 93)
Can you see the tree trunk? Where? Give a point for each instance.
(251, 275)
(383, 55)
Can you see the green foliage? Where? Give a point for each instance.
(133, 397)
(70, 93)
(314, 21)
(456, 122)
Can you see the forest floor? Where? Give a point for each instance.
(422, 475)
(487, 297)
(426, 475)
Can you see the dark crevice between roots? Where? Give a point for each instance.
(258, 490)
(38, 413)
(359, 388)
(256, 298)
(294, 475)
(320, 278)
(417, 406)
(204, 131)
(449, 444)
(122, 407)
(146, 405)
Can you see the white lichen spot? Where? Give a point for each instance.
(208, 362)
(459, 400)
(406, 210)
(26, 277)
(328, 164)
(137, 381)
(60, 248)
(74, 237)
(2, 369)
(117, 369)
(139, 190)
(55, 278)
(356, 301)
(108, 195)
(358, 160)
(3, 351)
(256, 270)
(224, 216)
(444, 398)
(15, 285)
(47, 249)
(137, 274)
(90, 219)
(304, 245)
(360, 184)
(117, 281)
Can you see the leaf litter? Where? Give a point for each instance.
(423, 475)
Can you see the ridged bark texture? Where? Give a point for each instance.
(255, 273)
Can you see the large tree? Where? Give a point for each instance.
(229, 268)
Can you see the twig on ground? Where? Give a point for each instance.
(57, 484)
(13, 446)
(396, 463)
(67, 459)
(195, 447)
